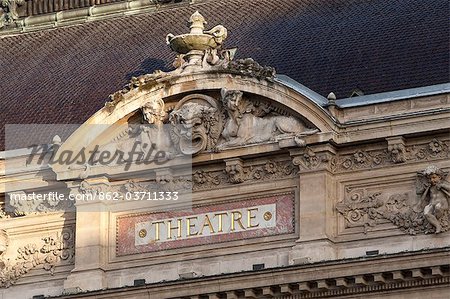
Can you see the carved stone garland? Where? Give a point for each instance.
(48, 254)
(427, 214)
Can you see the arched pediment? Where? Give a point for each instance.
(207, 107)
(225, 112)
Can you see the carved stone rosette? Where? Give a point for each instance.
(397, 152)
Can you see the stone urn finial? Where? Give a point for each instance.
(197, 22)
(193, 46)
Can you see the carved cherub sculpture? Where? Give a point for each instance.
(247, 124)
(435, 196)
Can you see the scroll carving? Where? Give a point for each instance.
(46, 254)
(428, 213)
(307, 159)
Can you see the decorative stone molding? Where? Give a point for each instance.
(249, 67)
(427, 214)
(21, 204)
(369, 159)
(313, 158)
(49, 253)
(261, 171)
(344, 286)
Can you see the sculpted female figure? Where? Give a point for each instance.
(438, 193)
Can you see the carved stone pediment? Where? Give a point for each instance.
(203, 123)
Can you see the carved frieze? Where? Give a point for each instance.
(21, 203)
(369, 159)
(199, 123)
(261, 171)
(46, 254)
(428, 212)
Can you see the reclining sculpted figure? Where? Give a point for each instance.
(245, 125)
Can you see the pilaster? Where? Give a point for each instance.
(317, 189)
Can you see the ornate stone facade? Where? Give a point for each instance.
(291, 195)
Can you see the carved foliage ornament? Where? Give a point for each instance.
(426, 213)
(395, 153)
(236, 171)
(47, 254)
(8, 12)
(21, 204)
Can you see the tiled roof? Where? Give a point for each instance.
(64, 75)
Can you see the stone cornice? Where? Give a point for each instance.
(343, 277)
(87, 14)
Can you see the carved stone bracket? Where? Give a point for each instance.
(397, 149)
(427, 213)
(235, 170)
(48, 254)
(312, 158)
